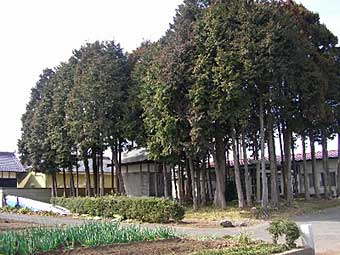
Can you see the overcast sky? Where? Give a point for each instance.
(37, 34)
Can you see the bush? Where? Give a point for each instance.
(156, 210)
(286, 228)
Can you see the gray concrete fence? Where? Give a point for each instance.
(43, 195)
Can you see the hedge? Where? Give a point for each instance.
(153, 210)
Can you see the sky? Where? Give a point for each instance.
(37, 34)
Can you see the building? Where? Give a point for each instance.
(11, 170)
(297, 173)
(321, 175)
(145, 177)
(41, 180)
(142, 176)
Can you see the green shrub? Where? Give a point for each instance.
(157, 210)
(286, 228)
(243, 239)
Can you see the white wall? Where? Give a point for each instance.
(319, 168)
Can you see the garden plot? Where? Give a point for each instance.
(112, 238)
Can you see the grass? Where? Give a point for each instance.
(301, 206)
(242, 245)
(211, 213)
(94, 234)
(257, 249)
(297, 207)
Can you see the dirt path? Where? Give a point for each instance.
(6, 225)
(43, 220)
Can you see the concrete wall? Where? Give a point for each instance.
(144, 180)
(137, 168)
(43, 195)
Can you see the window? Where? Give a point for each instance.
(311, 180)
(333, 179)
(322, 180)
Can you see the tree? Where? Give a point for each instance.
(165, 91)
(59, 135)
(96, 100)
(35, 146)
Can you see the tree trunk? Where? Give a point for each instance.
(219, 159)
(165, 178)
(122, 189)
(112, 170)
(77, 175)
(304, 166)
(287, 140)
(237, 169)
(210, 193)
(102, 176)
(54, 188)
(64, 182)
(180, 183)
(203, 185)
(188, 189)
(198, 184)
(95, 173)
(284, 185)
(156, 167)
(327, 180)
(258, 171)
(193, 183)
(72, 187)
(263, 163)
(175, 182)
(246, 172)
(87, 176)
(295, 184)
(273, 167)
(116, 163)
(314, 169)
(338, 170)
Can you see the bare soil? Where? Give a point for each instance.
(6, 225)
(173, 247)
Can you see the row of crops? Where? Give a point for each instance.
(93, 234)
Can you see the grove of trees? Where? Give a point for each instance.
(228, 77)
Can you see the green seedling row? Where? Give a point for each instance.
(93, 234)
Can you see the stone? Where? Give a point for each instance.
(253, 209)
(243, 224)
(227, 224)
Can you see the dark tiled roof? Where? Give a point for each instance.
(135, 156)
(332, 154)
(81, 167)
(10, 163)
(318, 155)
